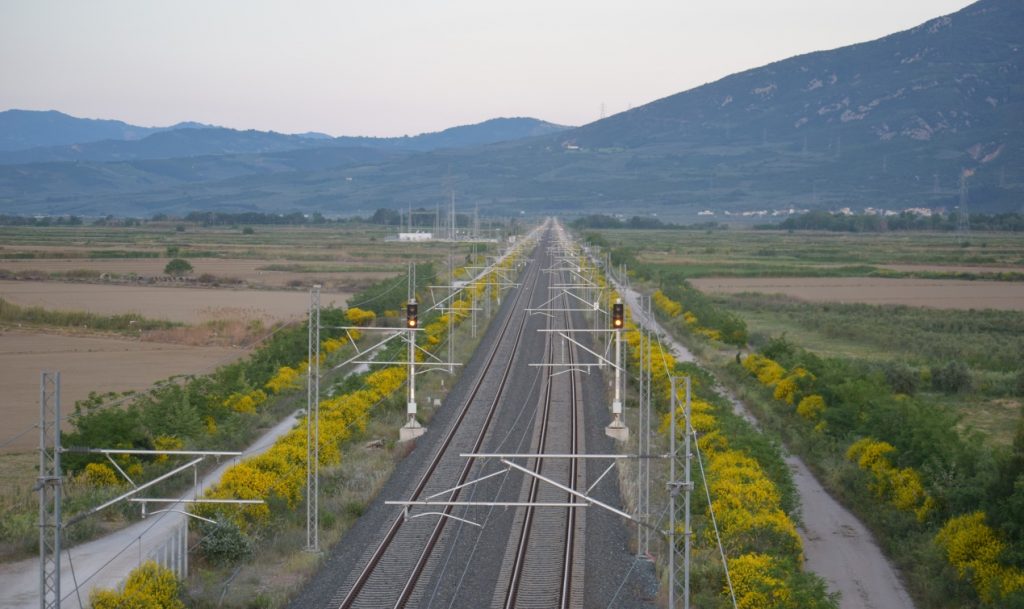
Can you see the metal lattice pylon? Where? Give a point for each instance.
(313, 425)
(49, 486)
(679, 561)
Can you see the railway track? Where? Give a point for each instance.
(543, 568)
(390, 574)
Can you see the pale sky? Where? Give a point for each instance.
(394, 67)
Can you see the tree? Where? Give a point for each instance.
(178, 267)
(954, 377)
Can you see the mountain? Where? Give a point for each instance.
(175, 143)
(465, 136)
(215, 168)
(24, 129)
(194, 139)
(901, 121)
(895, 123)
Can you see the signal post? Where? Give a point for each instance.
(617, 429)
(412, 428)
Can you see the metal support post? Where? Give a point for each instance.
(49, 487)
(673, 490)
(412, 428)
(313, 425)
(617, 428)
(674, 486)
(687, 491)
(646, 480)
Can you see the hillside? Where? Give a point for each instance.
(898, 118)
(25, 129)
(177, 143)
(889, 123)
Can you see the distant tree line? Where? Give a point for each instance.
(220, 218)
(874, 223)
(11, 220)
(601, 221)
(204, 218)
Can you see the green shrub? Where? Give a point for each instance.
(178, 267)
(225, 543)
(954, 377)
(901, 378)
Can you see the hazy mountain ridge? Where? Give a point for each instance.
(26, 129)
(204, 140)
(950, 74)
(889, 123)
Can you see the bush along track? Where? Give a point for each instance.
(751, 490)
(279, 475)
(948, 508)
(224, 409)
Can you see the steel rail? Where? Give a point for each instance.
(523, 541)
(364, 575)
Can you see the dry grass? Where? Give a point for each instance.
(86, 363)
(181, 304)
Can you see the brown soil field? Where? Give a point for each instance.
(86, 364)
(939, 294)
(951, 268)
(182, 304)
(225, 269)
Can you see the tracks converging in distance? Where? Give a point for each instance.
(400, 559)
(530, 556)
(545, 562)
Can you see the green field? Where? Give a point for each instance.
(938, 391)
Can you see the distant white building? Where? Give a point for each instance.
(417, 236)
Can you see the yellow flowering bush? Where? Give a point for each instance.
(811, 407)
(767, 370)
(745, 501)
(360, 317)
(974, 549)
(167, 443)
(902, 487)
(757, 584)
(333, 344)
(787, 387)
(710, 333)
(245, 403)
(666, 305)
(286, 378)
(100, 474)
(150, 586)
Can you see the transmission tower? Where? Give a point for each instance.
(679, 561)
(963, 221)
(49, 487)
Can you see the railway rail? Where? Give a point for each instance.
(390, 573)
(545, 562)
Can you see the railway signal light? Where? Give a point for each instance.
(411, 311)
(618, 316)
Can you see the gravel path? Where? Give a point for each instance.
(837, 546)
